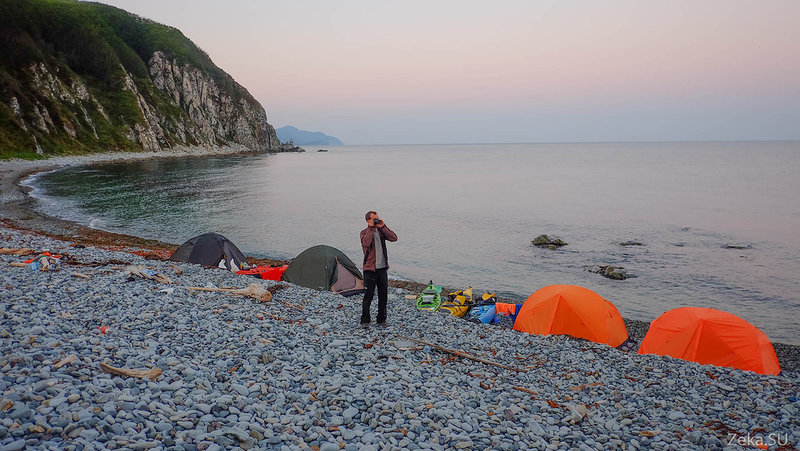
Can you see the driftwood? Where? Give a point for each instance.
(65, 361)
(82, 276)
(465, 355)
(70, 260)
(126, 372)
(15, 251)
(277, 287)
(254, 290)
(526, 390)
(18, 264)
(146, 273)
(296, 306)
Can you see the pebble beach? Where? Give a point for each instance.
(297, 372)
(209, 370)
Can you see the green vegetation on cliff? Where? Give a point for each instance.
(66, 69)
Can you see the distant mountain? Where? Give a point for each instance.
(80, 77)
(306, 138)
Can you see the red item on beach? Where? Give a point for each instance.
(43, 254)
(265, 272)
(504, 308)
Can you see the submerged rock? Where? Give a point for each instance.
(631, 243)
(737, 246)
(546, 241)
(610, 272)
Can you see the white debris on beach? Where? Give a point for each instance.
(92, 358)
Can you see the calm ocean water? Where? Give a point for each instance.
(465, 215)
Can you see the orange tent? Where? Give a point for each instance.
(710, 336)
(571, 310)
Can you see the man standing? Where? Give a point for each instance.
(376, 264)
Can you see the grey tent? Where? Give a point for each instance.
(325, 268)
(210, 249)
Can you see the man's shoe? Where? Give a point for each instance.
(364, 325)
(382, 324)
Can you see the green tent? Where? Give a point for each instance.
(325, 268)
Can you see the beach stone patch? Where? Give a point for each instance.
(239, 373)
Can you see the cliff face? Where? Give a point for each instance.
(212, 115)
(145, 93)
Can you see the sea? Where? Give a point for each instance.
(708, 224)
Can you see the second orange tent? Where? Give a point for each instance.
(711, 336)
(571, 310)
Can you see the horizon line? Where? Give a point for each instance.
(573, 142)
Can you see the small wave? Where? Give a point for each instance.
(30, 182)
(97, 223)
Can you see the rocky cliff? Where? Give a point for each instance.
(81, 77)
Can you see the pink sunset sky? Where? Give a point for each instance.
(460, 71)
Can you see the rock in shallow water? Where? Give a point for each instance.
(610, 272)
(546, 241)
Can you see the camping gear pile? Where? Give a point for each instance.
(43, 262)
(705, 336)
(462, 304)
(702, 335)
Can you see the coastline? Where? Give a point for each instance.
(16, 206)
(17, 212)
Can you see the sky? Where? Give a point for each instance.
(466, 71)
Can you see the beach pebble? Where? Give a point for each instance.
(234, 376)
(14, 445)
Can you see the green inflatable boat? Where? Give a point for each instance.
(430, 298)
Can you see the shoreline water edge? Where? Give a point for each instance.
(297, 372)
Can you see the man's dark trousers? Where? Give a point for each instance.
(380, 278)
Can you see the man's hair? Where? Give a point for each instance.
(369, 213)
